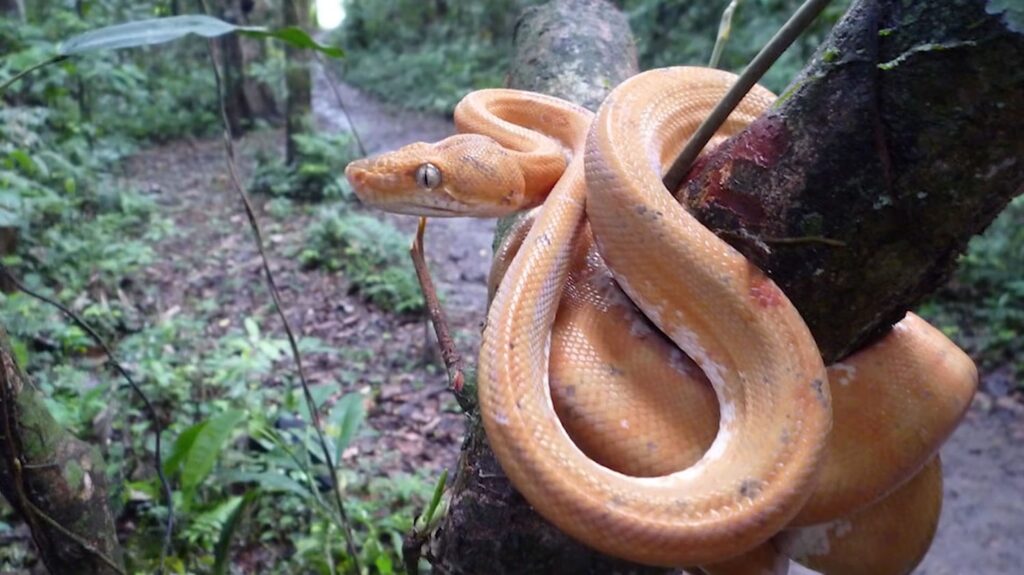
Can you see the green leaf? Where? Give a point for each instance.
(144, 33)
(161, 30)
(348, 416)
(270, 481)
(182, 445)
(428, 515)
(207, 447)
(295, 36)
(221, 550)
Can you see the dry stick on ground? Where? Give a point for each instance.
(275, 295)
(158, 428)
(341, 104)
(870, 147)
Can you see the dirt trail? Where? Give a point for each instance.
(417, 425)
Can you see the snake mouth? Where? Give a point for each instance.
(378, 190)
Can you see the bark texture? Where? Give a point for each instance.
(299, 105)
(56, 482)
(577, 50)
(903, 138)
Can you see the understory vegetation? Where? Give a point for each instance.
(249, 481)
(428, 55)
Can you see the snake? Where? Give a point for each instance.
(650, 391)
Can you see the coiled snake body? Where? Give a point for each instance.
(646, 462)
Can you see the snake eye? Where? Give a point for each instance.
(428, 176)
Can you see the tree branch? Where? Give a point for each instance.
(901, 140)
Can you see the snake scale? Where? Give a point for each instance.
(644, 386)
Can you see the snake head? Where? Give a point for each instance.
(463, 175)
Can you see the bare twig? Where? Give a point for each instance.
(724, 31)
(751, 74)
(275, 295)
(450, 355)
(158, 430)
(341, 103)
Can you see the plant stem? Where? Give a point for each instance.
(724, 30)
(789, 32)
(29, 70)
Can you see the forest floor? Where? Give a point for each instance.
(210, 267)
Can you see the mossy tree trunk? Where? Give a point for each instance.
(55, 482)
(298, 107)
(902, 139)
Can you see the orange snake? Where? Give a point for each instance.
(646, 463)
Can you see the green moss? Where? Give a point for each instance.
(40, 432)
(830, 55)
(74, 474)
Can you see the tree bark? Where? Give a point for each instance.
(56, 483)
(577, 50)
(239, 114)
(298, 106)
(901, 140)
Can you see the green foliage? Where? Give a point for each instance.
(373, 255)
(678, 32)
(245, 466)
(319, 172)
(138, 33)
(983, 306)
(427, 55)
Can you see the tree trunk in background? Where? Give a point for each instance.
(298, 105)
(12, 9)
(577, 50)
(900, 141)
(233, 66)
(55, 482)
(257, 93)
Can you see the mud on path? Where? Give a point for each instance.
(212, 264)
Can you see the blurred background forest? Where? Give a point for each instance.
(108, 164)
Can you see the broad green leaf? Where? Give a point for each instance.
(270, 481)
(144, 33)
(348, 416)
(161, 30)
(207, 448)
(221, 551)
(182, 445)
(252, 329)
(428, 516)
(295, 36)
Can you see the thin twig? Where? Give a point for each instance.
(751, 74)
(29, 70)
(158, 429)
(275, 295)
(341, 103)
(450, 355)
(724, 31)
